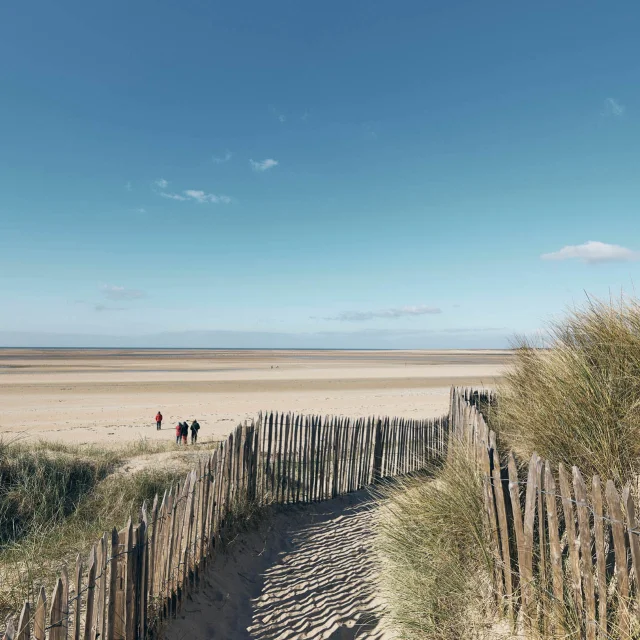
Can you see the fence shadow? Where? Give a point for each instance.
(307, 572)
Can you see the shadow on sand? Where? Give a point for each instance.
(307, 572)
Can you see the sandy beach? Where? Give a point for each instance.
(111, 396)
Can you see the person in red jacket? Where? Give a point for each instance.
(178, 432)
(158, 421)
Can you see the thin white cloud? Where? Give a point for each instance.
(593, 252)
(162, 183)
(114, 292)
(263, 165)
(173, 196)
(613, 108)
(141, 210)
(197, 195)
(128, 186)
(222, 159)
(305, 116)
(393, 313)
(202, 197)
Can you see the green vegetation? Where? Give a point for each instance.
(435, 552)
(57, 500)
(578, 400)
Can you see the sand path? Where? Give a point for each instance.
(307, 572)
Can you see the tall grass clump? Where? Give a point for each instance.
(57, 500)
(436, 563)
(577, 400)
(41, 485)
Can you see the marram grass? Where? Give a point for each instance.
(577, 400)
(434, 551)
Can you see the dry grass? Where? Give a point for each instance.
(57, 500)
(435, 555)
(578, 401)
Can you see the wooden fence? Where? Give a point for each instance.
(566, 553)
(138, 577)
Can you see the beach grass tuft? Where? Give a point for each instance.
(57, 500)
(574, 396)
(436, 565)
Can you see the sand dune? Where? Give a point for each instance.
(111, 397)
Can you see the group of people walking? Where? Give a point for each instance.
(182, 430)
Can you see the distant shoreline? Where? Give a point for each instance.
(272, 349)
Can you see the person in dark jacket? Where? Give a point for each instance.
(185, 432)
(195, 427)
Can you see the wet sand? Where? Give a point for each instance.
(112, 396)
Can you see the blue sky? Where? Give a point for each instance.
(367, 174)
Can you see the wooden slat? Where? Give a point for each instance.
(169, 560)
(98, 603)
(299, 458)
(304, 436)
(204, 509)
(78, 599)
(143, 570)
(324, 442)
(113, 585)
(312, 459)
(267, 469)
(377, 452)
(56, 615)
(40, 620)
(582, 508)
(336, 457)
(330, 451)
(504, 531)
(620, 548)
(284, 481)
(555, 550)
(514, 491)
(365, 464)
(490, 510)
(601, 568)
(156, 514)
(340, 444)
(133, 615)
(189, 527)
(543, 584)
(24, 623)
(526, 571)
(129, 602)
(91, 588)
(291, 465)
(572, 539)
(627, 500)
(65, 599)
(256, 449)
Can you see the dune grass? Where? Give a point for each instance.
(436, 564)
(57, 500)
(578, 400)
